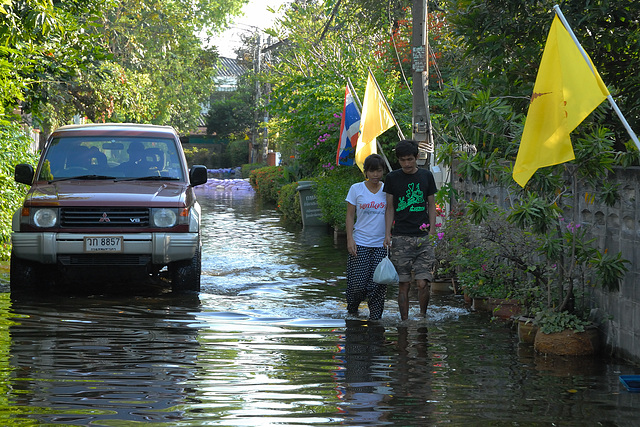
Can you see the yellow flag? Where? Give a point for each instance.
(566, 91)
(375, 119)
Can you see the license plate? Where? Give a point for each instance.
(103, 244)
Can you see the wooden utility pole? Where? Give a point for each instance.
(421, 123)
(256, 152)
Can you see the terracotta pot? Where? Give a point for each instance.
(505, 308)
(480, 304)
(526, 330)
(467, 299)
(442, 287)
(498, 307)
(569, 342)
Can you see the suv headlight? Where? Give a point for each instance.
(45, 217)
(163, 217)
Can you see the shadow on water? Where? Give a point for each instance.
(267, 342)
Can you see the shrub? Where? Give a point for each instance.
(14, 149)
(551, 321)
(491, 256)
(267, 182)
(331, 190)
(238, 152)
(289, 203)
(250, 167)
(198, 156)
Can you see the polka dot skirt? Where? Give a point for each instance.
(360, 284)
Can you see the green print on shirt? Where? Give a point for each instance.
(414, 200)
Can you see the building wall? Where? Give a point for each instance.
(616, 229)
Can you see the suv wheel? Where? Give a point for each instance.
(185, 275)
(25, 276)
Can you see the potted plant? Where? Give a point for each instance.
(565, 334)
(549, 206)
(444, 277)
(533, 254)
(496, 263)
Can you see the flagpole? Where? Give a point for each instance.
(355, 95)
(630, 131)
(400, 134)
(359, 105)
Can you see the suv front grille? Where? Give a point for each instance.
(104, 217)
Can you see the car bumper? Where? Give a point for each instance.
(163, 248)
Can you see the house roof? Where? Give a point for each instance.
(228, 67)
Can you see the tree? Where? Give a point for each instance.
(158, 38)
(43, 44)
(507, 38)
(110, 60)
(309, 74)
(486, 109)
(232, 115)
(14, 149)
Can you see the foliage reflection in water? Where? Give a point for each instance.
(267, 343)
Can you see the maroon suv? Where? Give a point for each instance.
(108, 202)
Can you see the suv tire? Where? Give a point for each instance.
(24, 276)
(185, 275)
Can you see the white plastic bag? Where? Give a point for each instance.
(385, 272)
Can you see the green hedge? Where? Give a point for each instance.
(272, 185)
(14, 149)
(199, 156)
(267, 182)
(331, 190)
(250, 167)
(289, 203)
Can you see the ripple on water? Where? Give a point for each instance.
(268, 342)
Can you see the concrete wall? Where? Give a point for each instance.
(616, 229)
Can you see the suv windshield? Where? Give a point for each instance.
(95, 157)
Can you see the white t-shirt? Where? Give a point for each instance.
(369, 227)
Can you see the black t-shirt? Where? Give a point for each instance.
(410, 193)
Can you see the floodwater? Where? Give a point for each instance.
(267, 342)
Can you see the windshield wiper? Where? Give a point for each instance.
(82, 177)
(150, 178)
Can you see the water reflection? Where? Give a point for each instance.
(79, 360)
(363, 373)
(267, 342)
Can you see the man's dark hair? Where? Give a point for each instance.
(406, 147)
(373, 162)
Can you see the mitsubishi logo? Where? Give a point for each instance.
(104, 218)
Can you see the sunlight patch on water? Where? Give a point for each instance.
(263, 291)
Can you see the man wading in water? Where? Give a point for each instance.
(410, 217)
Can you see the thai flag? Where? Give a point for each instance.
(349, 131)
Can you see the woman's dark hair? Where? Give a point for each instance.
(373, 162)
(406, 147)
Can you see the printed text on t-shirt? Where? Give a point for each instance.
(372, 205)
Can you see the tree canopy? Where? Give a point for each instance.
(326, 43)
(109, 60)
(506, 39)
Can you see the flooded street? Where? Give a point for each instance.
(267, 342)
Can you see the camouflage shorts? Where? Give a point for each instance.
(413, 253)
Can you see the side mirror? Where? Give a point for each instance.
(198, 175)
(24, 173)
